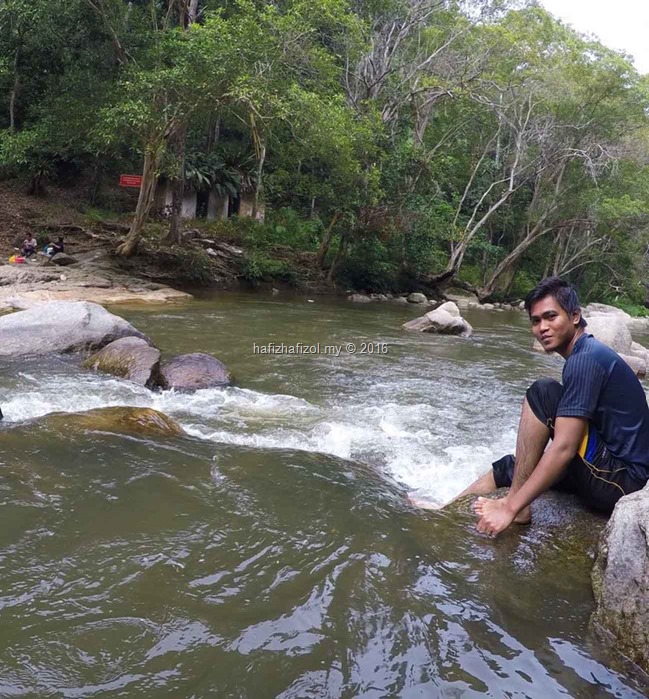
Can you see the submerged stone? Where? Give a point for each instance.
(144, 422)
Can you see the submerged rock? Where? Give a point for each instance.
(62, 327)
(621, 578)
(130, 358)
(191, 372)
(125, 420)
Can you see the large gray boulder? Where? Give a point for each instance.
(191, 372)
(130, 358)
(621, 578)
(445, 320)
(61, 327)
(612, 330)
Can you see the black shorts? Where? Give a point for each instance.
(595, 475)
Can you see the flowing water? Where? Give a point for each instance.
(272, 552)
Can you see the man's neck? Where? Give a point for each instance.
(566, 351)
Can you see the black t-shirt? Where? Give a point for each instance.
(600, 386)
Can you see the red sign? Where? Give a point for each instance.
(130, 180)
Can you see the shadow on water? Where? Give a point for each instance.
(180, 567)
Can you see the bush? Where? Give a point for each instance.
(258, 266)
(370, 266)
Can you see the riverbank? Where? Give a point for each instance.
(234, 254)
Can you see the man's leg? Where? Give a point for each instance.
(534, 432)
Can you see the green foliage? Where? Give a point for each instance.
(369, 267)
(497, 148)
(259, 266)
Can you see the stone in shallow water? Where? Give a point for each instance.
(144, 422)
(61, 326)
(129, 358)
(191, 372)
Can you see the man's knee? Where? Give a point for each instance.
(543, 397)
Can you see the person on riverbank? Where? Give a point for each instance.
(598, 421)
(55, 248)
(29, 246)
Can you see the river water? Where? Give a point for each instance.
(273, 552)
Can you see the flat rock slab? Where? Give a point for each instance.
(192, 372)
(61, 327)
(130, 358)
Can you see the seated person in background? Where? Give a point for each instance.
(29, 246)
(57, 247)
(52, 249)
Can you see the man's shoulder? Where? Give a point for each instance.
(590, 353)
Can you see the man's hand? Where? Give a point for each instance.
(495, 515)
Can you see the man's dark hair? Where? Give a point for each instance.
(562, 291)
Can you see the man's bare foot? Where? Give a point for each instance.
(523, 517)
(495, 515)
(424, 504)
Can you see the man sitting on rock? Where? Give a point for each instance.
(598, 421)
(55, 248)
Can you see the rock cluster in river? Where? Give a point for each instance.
(67, 327)
(444, 320)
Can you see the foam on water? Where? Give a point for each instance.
(417, 443)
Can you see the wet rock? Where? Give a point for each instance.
(144, 422)
(359, 298)
(488, 306)
(445, 320)
(191, 372)
(62, 259)
(130, 358)
(401, 300)
(61, 327)
(621, 578)
(416, 297)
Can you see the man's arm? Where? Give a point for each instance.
(568, 434)
(497, 515)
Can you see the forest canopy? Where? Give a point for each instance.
(479, 143)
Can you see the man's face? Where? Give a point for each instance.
(551, 325)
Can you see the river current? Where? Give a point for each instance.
(273, 552)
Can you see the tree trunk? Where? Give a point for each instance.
(258, 186)
(147, 193)
(340, 253)
(96, 181)
(180, 150)
(14, 93)
(326, 241)
(192, 12)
